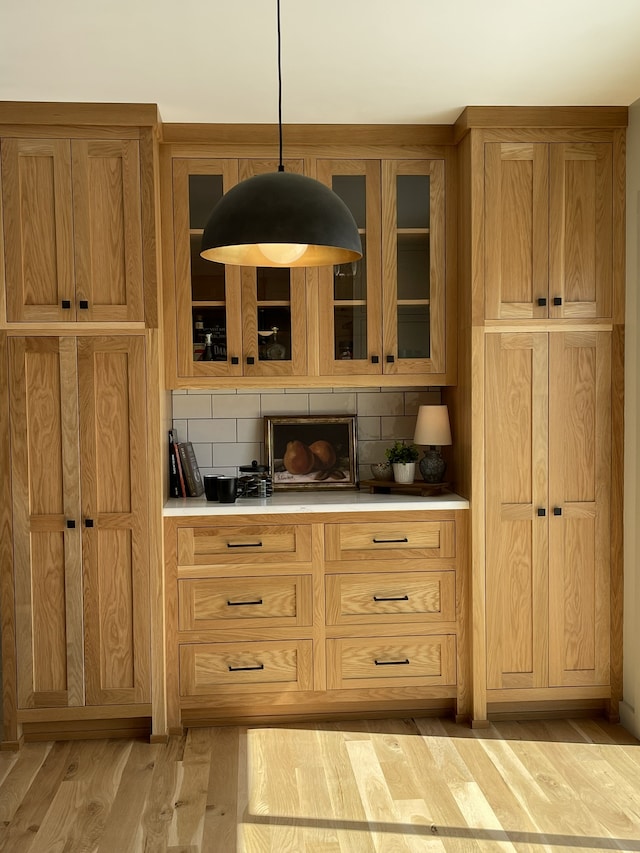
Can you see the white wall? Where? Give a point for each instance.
(630, 708)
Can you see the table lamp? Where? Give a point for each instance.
(432, 429)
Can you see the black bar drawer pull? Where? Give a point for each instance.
(542, 301)
(245, 545)
(243, 603)
(387, 541)
(70, 524)
(542, 512)
(391, 598)
(260, 666)
(392, 662)
(557, 510)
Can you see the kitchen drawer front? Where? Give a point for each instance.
(391, 662)
(390, 540)
(208, 603)
(258, 544)
(278, 666)
(386, 598)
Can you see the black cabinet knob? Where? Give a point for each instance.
(557, 510)
(66, 304)
(541, 512)
(250, 359)
(542, 301)
(375, 359)
(70, 523)
(88, 522)
(557, 300)
(391, 359)
(84, 304)
(235, 359)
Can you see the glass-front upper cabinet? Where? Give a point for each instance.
(350, 301)
(208, 294)
(231, 321)
(273, 304)
(413, 266)
(385, 314)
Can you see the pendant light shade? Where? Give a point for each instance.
(281, 219)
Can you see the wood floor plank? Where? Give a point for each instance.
(381, 786)
(20, 833)
(159, 809)
(77, 815)
(19, 778)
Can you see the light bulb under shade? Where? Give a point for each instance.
(278, 209)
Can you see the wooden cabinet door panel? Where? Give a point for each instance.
(115, 555)
(516, 383)
(581, 229)
(516, 230)
(46, 511)
(107, 230)
(579, 489)
(38, 230)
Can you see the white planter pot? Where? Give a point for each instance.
(404, 472)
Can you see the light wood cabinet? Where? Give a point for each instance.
(315, 615)
(72, 230)
(256, 317)
(548, 470)
(80, 516)
(385, 314)
(548, 230)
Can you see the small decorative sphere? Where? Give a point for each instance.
(381, 471)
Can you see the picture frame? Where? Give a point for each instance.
(312, 451)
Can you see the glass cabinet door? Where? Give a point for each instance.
(349, 311)
(209, 322)
(413, 266)
(273, 304)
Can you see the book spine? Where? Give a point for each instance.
(197, 482)
(174, 478)
(187, 472)
(176, 453)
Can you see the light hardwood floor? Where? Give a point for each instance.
(369, 787)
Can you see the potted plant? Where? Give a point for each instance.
(403, 459)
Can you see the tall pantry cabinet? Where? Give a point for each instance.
(539, 403)
(81, 510)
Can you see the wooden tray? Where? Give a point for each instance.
(418, 487)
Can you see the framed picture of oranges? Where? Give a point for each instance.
(312, 451)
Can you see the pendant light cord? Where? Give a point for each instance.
(280, 164)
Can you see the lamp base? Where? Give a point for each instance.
(432, 466)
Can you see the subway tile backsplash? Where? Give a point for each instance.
(227, 428)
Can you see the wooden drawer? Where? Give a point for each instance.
(386, 598)
(278, 666)
(207, 603)
(391, 662)
(258, 544)
(382, 540)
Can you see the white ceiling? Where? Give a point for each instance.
(344, 61)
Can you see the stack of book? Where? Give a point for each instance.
(185, 480)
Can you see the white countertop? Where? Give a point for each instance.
(329, 501)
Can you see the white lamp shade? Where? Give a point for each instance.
(432, 426)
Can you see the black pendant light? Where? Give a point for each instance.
(281, 219)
